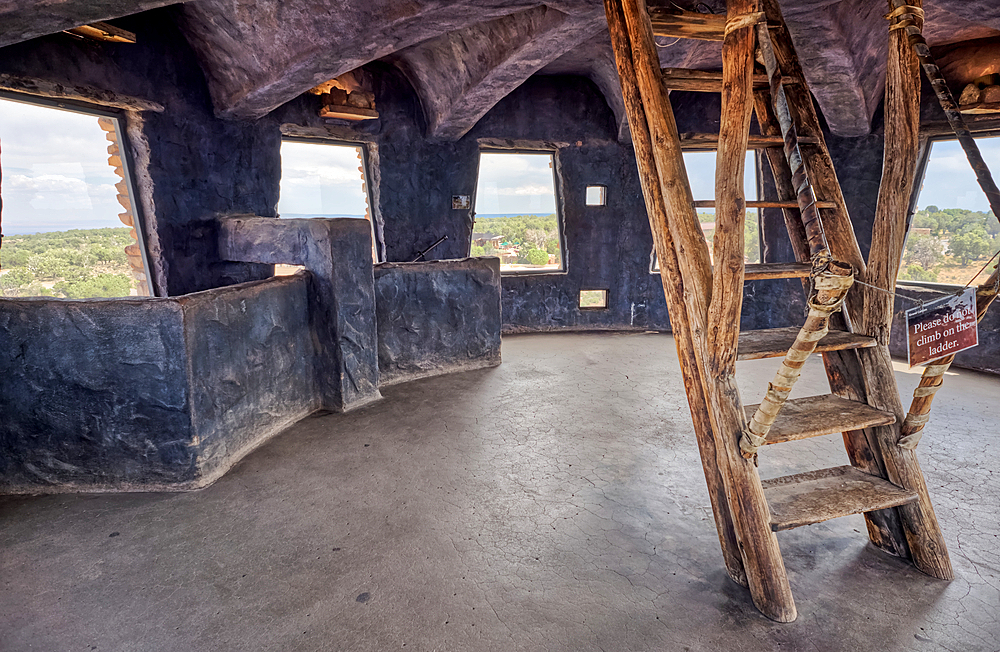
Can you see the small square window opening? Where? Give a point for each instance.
(597, 195)
(593, 299)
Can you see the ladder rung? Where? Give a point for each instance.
(677, 23)
(710, 203)
(702, 141)
(815, 416)
(759, 271)
(708, 81)
(702, 81)
(816, 496)
(775, 342)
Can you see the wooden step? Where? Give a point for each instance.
(692, 141)
(816, 496)
(759, 271)
(710, 203)
(815, 416)
(775, 342)
(678, 23)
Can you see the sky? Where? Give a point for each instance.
(515, 184)
(950, 181)
(55, 171)
(321, 179)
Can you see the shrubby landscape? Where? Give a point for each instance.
(72, 264)
(949, 245)
(526, 239)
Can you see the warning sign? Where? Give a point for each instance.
(942, 327)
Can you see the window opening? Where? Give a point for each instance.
(69, 222)
(323, 179)
(953, 233)
(593, 299)
(516, 212)
(700, 168)
(597, 195)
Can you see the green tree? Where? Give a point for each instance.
(15, 279)
(924, 250)
(477, 251)
(918, 273)
(102, 285)
(48, 265)
(537, 257)
(751, 238)
(970, 246)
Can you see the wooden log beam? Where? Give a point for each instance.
(674, 289)
(671, 22)
(689, 240)
(804, 192)
(705, 81)
(843, 368)
(923, 533)
(701, 81)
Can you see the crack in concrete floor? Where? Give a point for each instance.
(553, 503)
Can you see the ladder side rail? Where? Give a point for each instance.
(836, 221)
(804, 193)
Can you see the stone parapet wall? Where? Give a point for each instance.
(437, 317)
(149, 394)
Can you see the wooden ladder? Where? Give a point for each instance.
(883, 481)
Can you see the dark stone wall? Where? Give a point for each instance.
(149, 394)
(251, 355)
(93, 393)
(191, 165)
(437, 317)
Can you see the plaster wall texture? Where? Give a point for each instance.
(142, 394)
(437, 317)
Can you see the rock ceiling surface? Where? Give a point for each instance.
(463, 56)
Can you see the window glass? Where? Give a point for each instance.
(953, 233)
(516, 215)
(68, 213)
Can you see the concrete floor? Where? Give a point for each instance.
(553, 503)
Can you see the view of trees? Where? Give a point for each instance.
(70, 264)
(526, 239)
(948, 245)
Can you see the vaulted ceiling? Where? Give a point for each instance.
(463, 56)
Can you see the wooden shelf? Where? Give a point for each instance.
(815, 416)
(980, 108)
(347, 113)
(817, 496)
(775, 342)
